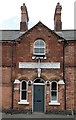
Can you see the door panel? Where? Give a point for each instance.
(38, 98)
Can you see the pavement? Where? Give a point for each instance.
(36, 116)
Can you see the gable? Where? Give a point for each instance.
(26, 47)
(40, 27)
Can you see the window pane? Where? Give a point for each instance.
(54, 91)
(39, 43)
(24, 85)
(39, 50)
(23, 97)
(54, 86)
(38, 81)
(54, 95)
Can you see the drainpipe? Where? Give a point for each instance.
(12, 82)
(64, 45)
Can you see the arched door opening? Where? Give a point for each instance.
(39, 95)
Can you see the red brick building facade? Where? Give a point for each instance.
(38, 66)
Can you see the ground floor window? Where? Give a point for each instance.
(23, 90)
(54, 91)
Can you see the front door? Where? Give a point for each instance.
(38, 98)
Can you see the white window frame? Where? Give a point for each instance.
(44, 47)
(55, 90)
(53, 102)
(23, 101)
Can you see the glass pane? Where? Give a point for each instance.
(42, 43)
(24, 85)
(38, 81)
(23, 97)
(39, 43)
(54, 86)
(54, 95)
(39, 50)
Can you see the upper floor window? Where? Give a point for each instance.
(54, 92)
(39, 47)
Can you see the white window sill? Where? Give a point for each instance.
(23, 103)
(54, 103)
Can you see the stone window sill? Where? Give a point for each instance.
(54, 103)
(23, 103)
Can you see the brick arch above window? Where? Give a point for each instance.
(22, 77)
(42, 77)
(54, 78)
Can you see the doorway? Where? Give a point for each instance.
(39, 95)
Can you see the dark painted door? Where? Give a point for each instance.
(38, 98)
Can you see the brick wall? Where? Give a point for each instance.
(75, 75)
(69, 75)
(6, 88)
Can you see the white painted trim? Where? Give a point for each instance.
(38, 83)
(33, 65)
(57, 91)
(54, 103)
(61, 82)
(45, 99)
(35, 57)
(23, 102)
(16, 81)
(32, 96)
(20, 91)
